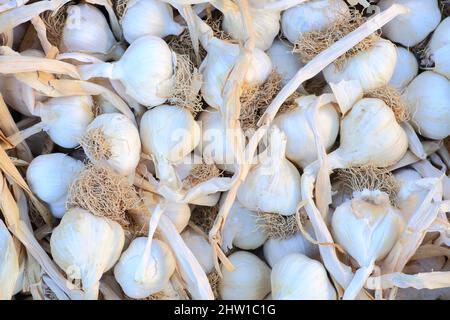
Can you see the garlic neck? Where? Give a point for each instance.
(96, 70)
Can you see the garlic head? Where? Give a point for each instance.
(284, 61)
(405, 70)
(200, 248)
(438, 48)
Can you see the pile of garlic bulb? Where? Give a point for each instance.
(233, 149)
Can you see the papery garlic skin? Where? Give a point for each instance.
(87, 30)
(169, 132)
(406, 69)
(367, 226)
(301, 145)
(427, 98)
(297, 277)
(86, 246)
(66, 118)
(315, 15)
(50, 175)
(9, 264)
(148, 17)
(201, 249)
(250, 279)
(438, 48)
(273, 179)
(123, 143)
(284, 61)
(408, 200)
(276, 249)
(370, 134)
(241, 229)
(157, 273)
(218, 63)
(410, 28)
(219, 144)
(179, 214)
(373, 68)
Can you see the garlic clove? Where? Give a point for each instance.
(9, 264)
(250, 279)
(284, 61)
(49, 176)
(410, 28)
(148, 17)
(373, 68)
(201, 249)
(86, 246)
(427, 98)
(406, 69)
(297, 277)
(156, 274)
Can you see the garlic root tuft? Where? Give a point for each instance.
(276, 226)
(393, 100)
(201, 173)
(96, 145)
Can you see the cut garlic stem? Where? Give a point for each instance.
(20, 136)
(358, 281)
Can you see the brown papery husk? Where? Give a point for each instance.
(214, 279)
(368, 177)
(204, 217)
(277, 226)
(310, 44)
(393, 100)
(104, 193)
(200, 173)
(188, 81)
(255, 99)
(120, 6)
(54, 23)
(96, 145)
(183, 45)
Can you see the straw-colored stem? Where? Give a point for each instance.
(20, 136)
(358, 281)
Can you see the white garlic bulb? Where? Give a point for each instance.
(113, 141)
(9, 264)
(408, 199)
(367, 227)
(373, 68)
(405, 70)
(276, 249)
(410, 28)
(219, 143)
(58, 207)
(148, 17)
(179, 214)
(65, 119)
(301, 146)
(427, 98)
(370, 134)
(297, 277)
(201, 249)
(439, 48)
(272, 179)
(86, 246)
(156, 273)
(250, 280)
(218, 63)
(50, 176)
(241, 229)
(86, 29)
(145, 70)
(314, 15)
(284, 61)
(169, 132)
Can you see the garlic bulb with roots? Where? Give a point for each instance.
(9, 264)
(438, 49)
(146, 70)
(427, 98)
(241, 228)
(266, 23)
(297, 277)
(406, 69)
(85, 246)
(250, 280)
(148, 17)
(367, 227)
(314, 15)
(112, 140)
(147, 265)
(284, 61)
(86, 30)
(301, 146)
(410, 28)
(17, 94)
(408, 198)
(201, 249)
(272, 179)
(218, 64)
(50, 176)
(373, 68)
(219, 143)
(276, 249)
